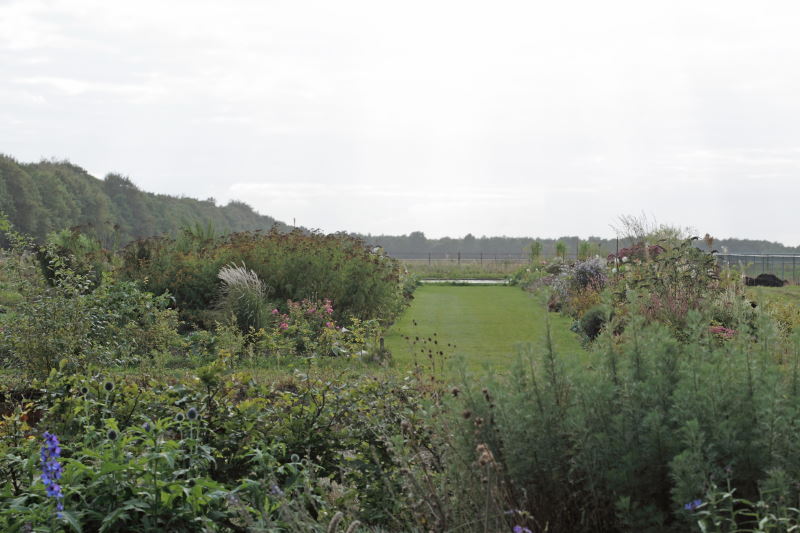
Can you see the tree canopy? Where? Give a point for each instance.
(40, 198)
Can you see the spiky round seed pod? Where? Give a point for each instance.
(108, 386)
(111, 435)
(84, 391)
(180, 417)
(192, 414)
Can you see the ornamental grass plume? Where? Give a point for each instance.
(245, 295)
(51, 470)
(234, 274)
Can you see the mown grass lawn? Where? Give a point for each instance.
(485, 323)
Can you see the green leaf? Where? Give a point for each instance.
(73, 521)
(108, 468)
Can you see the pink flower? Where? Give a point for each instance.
(274, 311)
(284, 325)
(329, 325)
(722, 331)
(329, 309)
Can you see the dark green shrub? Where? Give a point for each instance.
(73, 251)
(361, 283)
(592, 321)
(67, 326)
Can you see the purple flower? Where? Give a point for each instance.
(521, 529)
(693, 505)
(51, 470)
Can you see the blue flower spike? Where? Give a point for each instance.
(51, 470)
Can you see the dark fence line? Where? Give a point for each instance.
(458, 256)
(785, 266)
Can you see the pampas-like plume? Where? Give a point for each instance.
(240, 276)
(243, 294)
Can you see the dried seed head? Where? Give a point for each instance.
(334, 525)
(485, 456)
(353, 527)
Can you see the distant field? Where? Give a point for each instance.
(486, 323)
(788, 294)
(451, 268)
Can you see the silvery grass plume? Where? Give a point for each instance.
(245, 295)
(234, 275)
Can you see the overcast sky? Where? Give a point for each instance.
(448, 117)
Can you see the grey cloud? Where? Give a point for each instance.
(373, 117)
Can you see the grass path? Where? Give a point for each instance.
(486, 323)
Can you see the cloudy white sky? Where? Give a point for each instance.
(517, 118)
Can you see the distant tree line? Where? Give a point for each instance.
(48, 196)
(416, 244)
(40, 198)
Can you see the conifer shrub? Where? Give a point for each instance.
(654, 423)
